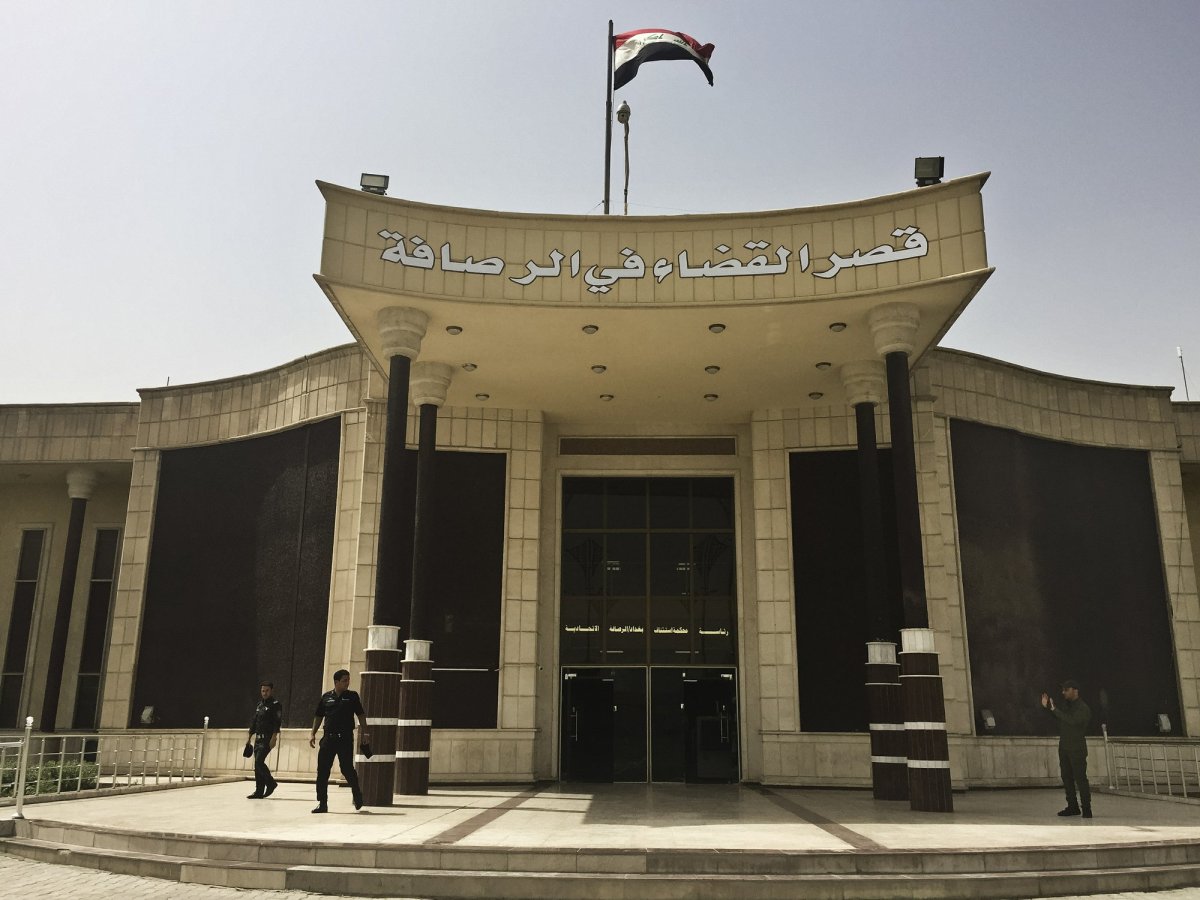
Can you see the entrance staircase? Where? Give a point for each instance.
(375, 870)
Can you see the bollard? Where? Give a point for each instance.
(203, 736)
(22, 767)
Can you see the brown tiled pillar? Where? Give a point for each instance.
(430, 382)
(401, 330)
(80, 484)
(864, 385)
(894, 327)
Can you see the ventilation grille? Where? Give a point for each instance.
(634, 446)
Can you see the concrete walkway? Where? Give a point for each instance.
(610, 818)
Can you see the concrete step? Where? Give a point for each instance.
(497, 873)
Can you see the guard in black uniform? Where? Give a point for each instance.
(337, 709)
(264, 735)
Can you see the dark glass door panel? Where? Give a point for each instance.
(604, 724)
(710, 702)
(693, 718)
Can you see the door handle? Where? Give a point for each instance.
(723, 719)
(574, 724)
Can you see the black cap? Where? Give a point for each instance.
(1069, 684)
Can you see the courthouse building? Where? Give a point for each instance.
(648, 554)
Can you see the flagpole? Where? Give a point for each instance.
(608, 115)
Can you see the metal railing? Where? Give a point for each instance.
(67, 763)
(1169, 767)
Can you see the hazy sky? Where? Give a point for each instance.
(159, 217)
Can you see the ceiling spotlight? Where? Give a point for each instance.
(606, 397)
(815, 395)
(716, 327)
(712, 370)
(453, 329)
(599, 370)
(824, 365)
(483, 396)
(837, 326)
(590, 329)
(470, 367)
(710, 397)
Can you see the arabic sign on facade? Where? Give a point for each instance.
(600, 280)
(435, 252)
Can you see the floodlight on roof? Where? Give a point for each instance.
(374, 184)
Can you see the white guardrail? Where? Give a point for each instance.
(66, 763)
(1168, 767)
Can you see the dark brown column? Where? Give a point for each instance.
(401, 330)
(414, 731)
(893, 327)
(864, 385)
(80, 485)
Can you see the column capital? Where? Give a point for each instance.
(81, 483)
(893, 326)
(401, 328)
(429, 382)
(864, 381)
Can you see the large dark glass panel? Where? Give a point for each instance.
(583, 503)
(87, 699)
(716, 630)
(10, 699)
(465, 699)
(238, 577)
(668, 760)
(1062, 578)
(91, 657)
(582, 635)
(18, 626)
(625, 631)
(670, 564)
(29, 562)
(104, 558)
(629, 724)
(712, 503)
(625, 565)
(626, 503)
(669, 502)
(670, 630)
(831, 606)
(712, 564)
(582, 565)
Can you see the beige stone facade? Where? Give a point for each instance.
(525, 380)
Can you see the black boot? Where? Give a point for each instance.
(1087, 812)
(1070, 811)
(321, 808)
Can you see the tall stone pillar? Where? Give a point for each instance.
(893, 327)
(430, 382)
(864, 385)
(402, 330)
(80, 485)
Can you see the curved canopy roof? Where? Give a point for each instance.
(521, 287)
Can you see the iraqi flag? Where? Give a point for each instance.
(633, 48)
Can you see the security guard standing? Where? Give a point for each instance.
(337, 709)
(264, 735)
(1073, 716)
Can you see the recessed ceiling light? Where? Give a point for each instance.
(483, 396)
(590, 329)
(606, 397)
(710, 397)
(470, 367)
(824, 365)
(599, 370)
(837, 326)
(815, 395)
(712, 370)
(453, 329)
(716, 327)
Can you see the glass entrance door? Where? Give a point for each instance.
(648, 621)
